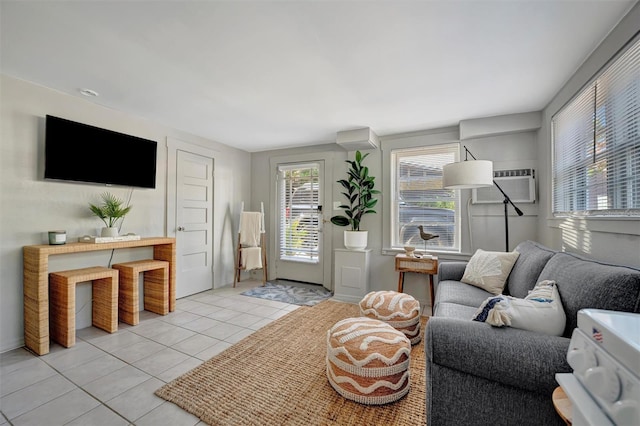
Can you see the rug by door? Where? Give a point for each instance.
(277, 376)
(305, 296)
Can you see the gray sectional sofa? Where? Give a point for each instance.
(480, 375)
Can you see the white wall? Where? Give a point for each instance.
(31, 206)
(616, 241)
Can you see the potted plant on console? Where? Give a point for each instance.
(110, 211)
(359, 188)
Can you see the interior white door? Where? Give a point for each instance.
(194, 223)
(299, 221)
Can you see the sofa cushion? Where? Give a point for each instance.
(460, 293)
(584, 283)
(524, 274)
(455, 311)
(489, 270)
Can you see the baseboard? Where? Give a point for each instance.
(347, 298)
(9, 346)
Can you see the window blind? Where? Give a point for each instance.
(420, 200)
(596, 144)
(299, 199)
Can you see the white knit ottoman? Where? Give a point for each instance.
(399, 310)
(368, 361)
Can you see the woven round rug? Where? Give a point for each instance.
(276, 376)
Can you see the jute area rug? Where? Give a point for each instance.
(277, 376)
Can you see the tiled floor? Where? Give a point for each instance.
(109, 379)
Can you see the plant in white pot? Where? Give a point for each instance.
(110, 212)
(359, 188)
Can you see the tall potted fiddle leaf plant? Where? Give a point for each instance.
(359, 191)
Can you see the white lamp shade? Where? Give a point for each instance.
(467, 174)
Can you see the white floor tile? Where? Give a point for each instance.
(167, 414)
(137, 351)
(160, 361)
(68, 358)
(171, 337)
(99, 416)
(245, 320)
(108, 387)
(94, 369)
(201, 324)
(59, 411)
(235, 338)
(137, 401)
(30, 373)
(112, 342)
(177, 371)
(213, 351)
(33, 396)
(222, 331)
(180, 317)
(195, 344)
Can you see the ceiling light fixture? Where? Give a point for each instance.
(89, 92)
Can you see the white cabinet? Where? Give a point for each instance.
(351, 279)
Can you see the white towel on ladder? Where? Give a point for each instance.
(250, 228)
(251, 257)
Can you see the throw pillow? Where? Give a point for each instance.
(489, 270)
(541, 311)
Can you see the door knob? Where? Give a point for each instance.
(180, 228)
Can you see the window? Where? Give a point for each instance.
(596, 144)
(419, 200)
(299, 201)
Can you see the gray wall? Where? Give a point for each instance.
(613, 240)
(31, 206)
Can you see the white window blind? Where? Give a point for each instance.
(596, 144)
(299, 201)
(420, 200)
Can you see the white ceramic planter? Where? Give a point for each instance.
(109, 232)
(355, 240)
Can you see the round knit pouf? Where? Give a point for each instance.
(399, 310)
(368, 361)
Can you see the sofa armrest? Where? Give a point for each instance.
(517, 358)
(451, 271)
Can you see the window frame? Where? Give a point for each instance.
(441, 136)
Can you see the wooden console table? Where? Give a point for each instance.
(36, 281)
(422, 265)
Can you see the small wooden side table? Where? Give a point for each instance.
(562, 404)
(423, 265)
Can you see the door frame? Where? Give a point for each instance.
(327, 183)
(173, 146)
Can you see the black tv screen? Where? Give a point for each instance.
(82, 153)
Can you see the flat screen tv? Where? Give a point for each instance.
(82, 153)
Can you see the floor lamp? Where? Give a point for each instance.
(476, 174)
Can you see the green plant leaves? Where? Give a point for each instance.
(111, 209)
(360, 188)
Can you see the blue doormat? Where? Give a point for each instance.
(290, 294)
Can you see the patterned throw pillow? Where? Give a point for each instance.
(489, 270)
(541, 311)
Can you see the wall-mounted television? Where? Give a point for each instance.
(82, 153)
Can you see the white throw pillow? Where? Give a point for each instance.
(489, 269)
(541, 311)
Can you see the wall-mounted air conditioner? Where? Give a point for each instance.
(518, 184)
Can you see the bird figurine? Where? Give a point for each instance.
(426, 236)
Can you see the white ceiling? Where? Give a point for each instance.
(261, 75)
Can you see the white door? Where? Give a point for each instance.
(194, 223)
(299, 222)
